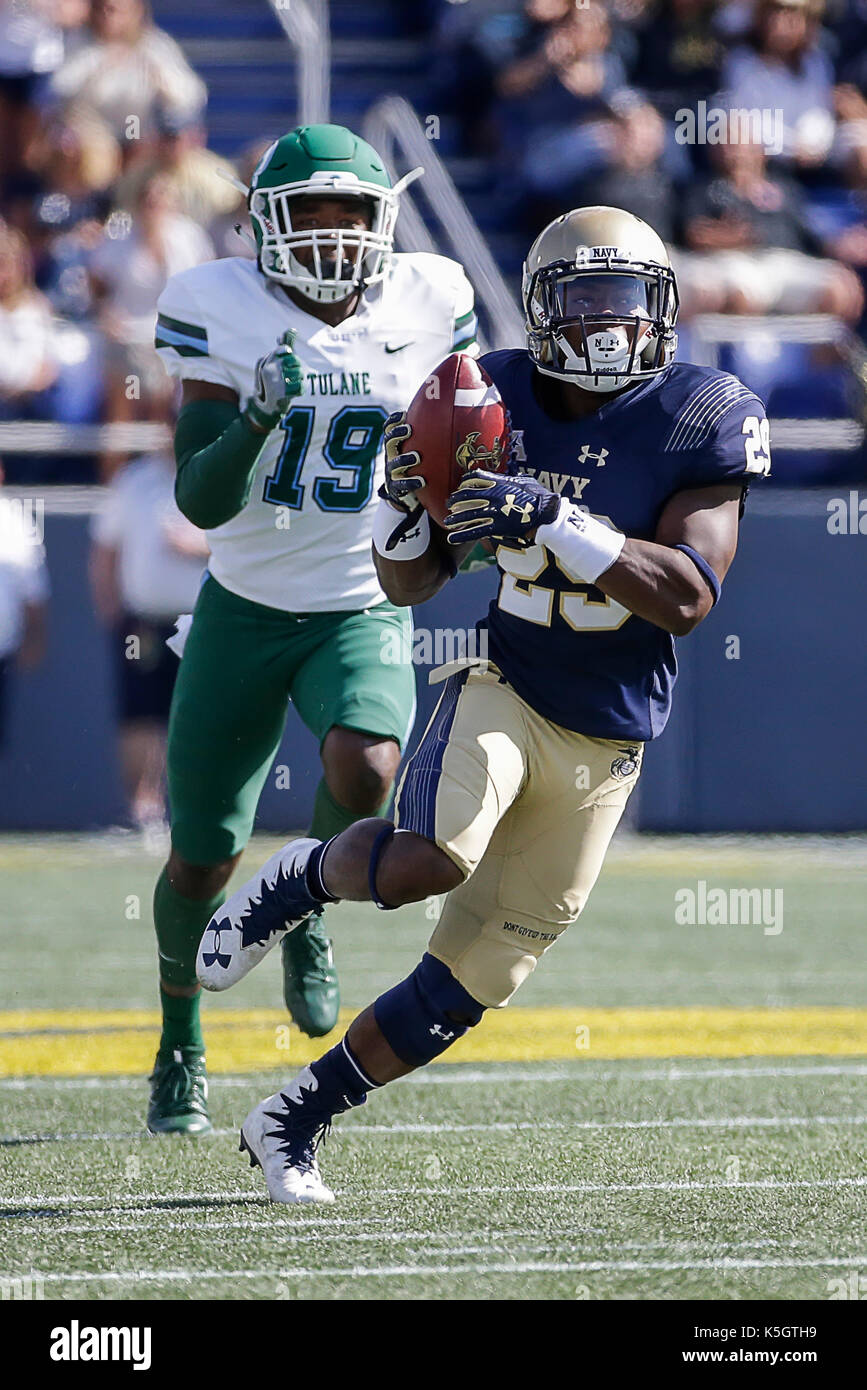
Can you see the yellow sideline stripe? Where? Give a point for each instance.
(112, 1042)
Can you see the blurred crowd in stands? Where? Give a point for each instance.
(645, 105)
(737, 128)
(107, 186)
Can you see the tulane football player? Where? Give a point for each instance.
(290, 365)
(613, 534)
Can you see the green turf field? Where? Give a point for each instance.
(607, 1169)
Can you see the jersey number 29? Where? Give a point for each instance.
(757, 443)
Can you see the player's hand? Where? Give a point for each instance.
(398, 488)
(499, 507)
(279, 378)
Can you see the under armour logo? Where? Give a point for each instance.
(524, 508)
(209, 957)
(437, 1032)
(587, 453)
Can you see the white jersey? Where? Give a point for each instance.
(302, 543)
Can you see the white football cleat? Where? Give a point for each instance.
(282, 1141)
(250, 923)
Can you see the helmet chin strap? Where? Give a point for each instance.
(324, 291)
(321, 293)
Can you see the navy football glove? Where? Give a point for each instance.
(499, 507)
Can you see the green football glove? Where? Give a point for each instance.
(279, 378)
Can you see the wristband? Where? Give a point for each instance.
(704, 569)
(398, 534)
(586, 546)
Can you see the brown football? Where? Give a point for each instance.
(458, 422)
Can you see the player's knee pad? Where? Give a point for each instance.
(418, 1017)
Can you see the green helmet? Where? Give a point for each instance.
(323, 159)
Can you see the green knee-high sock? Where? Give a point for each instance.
(179, 925)
(329, 817)
(181, 1025)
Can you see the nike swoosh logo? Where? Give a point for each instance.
(398, 349)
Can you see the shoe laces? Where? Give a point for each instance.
(299, 1140)
(254, 929)
(179, 1084)
(310, 957)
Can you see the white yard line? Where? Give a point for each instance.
(288, 1228)
(293, 1232)
(208, 1198)
(725, 1263)
(685, 1122)
(493, 1072)
(485, 1127)
(682, 1185)
(183, 1199)
(585, 1071)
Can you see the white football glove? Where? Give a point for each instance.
(279, 378)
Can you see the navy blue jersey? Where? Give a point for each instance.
(575, 655)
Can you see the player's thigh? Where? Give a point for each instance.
(469, 767)
(359, 675)
(540, 866)
(227, 717)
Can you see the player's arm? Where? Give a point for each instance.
(674, 588)
(217, 442)
(103, 569)
(412, 554)
(31, 650)
(672, 581)
(408, 582)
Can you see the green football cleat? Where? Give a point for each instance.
(310, 986)
(179, 1094)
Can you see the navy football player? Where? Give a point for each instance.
(613, 533)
